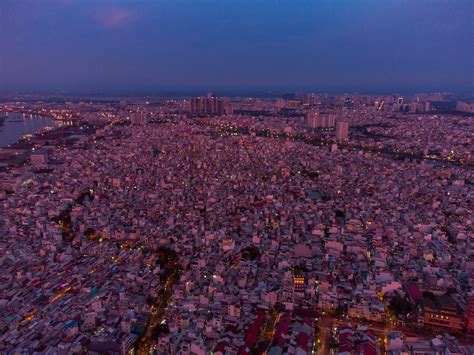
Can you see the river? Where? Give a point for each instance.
(16, 125)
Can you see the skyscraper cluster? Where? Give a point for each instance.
(321, 120)
(210, 105)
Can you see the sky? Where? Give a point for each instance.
(286, 45)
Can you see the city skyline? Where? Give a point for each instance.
(236, 177)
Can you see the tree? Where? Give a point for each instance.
(251, 253)
(400, 305)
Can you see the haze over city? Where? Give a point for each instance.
(236, 177)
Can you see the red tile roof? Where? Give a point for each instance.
(302, 341)
(221, 347)
(253, 332)
(414, 292)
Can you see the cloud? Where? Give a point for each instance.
(109, 17)
(113, 17)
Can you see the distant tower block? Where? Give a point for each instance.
(342, 131)
(139, 118)
(210, 105)
(347, 102)
(321, 120)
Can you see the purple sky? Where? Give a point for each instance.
(358, 45)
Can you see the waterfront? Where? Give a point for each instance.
(16, 125)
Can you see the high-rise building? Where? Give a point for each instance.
(306, 98)
(321, 120)
(390, 99)
(138, 118)
(377, 106)
(436, 97)
(414, 107)
(400, 104)
(422, 97)
(342, 131)
(280, 103)
(209, 105)
(440, 106)
(303, 98)
(347, 102)
(465, 106)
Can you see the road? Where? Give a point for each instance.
(325, 326)
(379, 329)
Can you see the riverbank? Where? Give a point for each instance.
(15, 126)
(19, 152)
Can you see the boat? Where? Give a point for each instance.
(45, 130)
